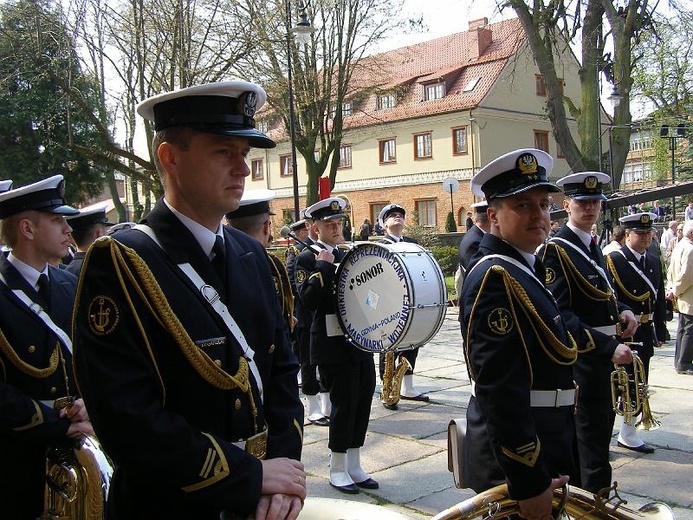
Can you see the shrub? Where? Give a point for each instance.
(446, 256)
(450, 224)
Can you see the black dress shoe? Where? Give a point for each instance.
(350, 489)
(391, 406)
(685, 372)
(643, 448)
(322, 421)
(420, 397)
(369, 483)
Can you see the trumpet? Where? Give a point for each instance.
(630, 394)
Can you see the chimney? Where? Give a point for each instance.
(480, 37)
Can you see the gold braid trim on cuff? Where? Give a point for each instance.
(638, 298)
(23, 366)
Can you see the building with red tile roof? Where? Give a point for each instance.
(427, 112)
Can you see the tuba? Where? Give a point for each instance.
(630, 395)
(575, 503)
(78, 476)
(77, 481)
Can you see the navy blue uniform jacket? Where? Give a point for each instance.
(167, 388)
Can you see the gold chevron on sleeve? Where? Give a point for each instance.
(526, 454)
(318, 275)
(35, 420)
(215, 464)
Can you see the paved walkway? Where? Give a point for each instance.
(406, 450)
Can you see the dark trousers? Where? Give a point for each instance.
(310, 385)
(683, 355)
(22, 479)
(410, 355)
(594, 424)
(351, 393)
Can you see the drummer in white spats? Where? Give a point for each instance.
(392, 219)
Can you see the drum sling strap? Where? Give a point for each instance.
(211, 296)
(43, 315)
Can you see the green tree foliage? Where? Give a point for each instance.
(39, 124)
(450, 224)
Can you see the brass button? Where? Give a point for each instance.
(32, 349)
(217, 362)
(237, 404)
(271, 349)
(54, 390)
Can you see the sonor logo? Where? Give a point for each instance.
(368, 274)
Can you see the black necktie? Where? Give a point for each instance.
(596, 253)
(642, 263)
(44, 289)
(219, 259)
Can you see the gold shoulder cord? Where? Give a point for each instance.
(286, 296)
(583, 284)
(142, 281)
(551, 345)
(638, 298)
(30, 370)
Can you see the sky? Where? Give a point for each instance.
(443, 17)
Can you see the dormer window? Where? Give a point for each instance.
(434, 91)
(385, 101)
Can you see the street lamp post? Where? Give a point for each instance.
(302, 33)
(679, 132)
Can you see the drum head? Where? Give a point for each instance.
(338, 509)
(374, 295)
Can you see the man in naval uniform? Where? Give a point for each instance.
(180, 346)
(313, 387)
(253, 218)
(469, 244)
(392, 219)
(640, 285)
(349, 373)
(576, 275)
(518, 349)
(87, 226)
(36, 302)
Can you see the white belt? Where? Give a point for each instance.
(644, 318)
(547, 398)
(552, 398)
(50, 403)
(609, 330)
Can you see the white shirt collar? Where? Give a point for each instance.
(584, 236)
(203, 235)
(329, 248)
(637, 255)
(30, 274)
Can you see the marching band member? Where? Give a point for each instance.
(253, 218)
(35, 347)
(313, 388)
(180, 346)
(349, 372)
(87, 226)
(392, 219)
(518, 349)
(576, 275)
(469, 244)
(640, 285)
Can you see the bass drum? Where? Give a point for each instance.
(338, 509)
(390, 296)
